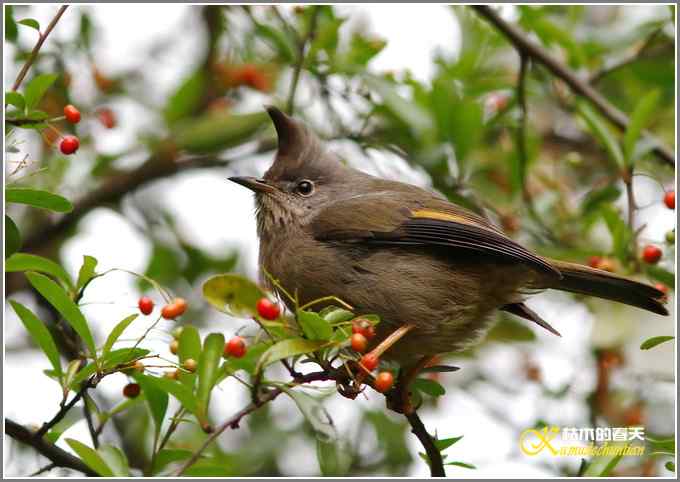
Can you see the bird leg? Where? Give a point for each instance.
(403, 403)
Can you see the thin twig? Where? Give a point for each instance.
(290, 105)
(90, 424)
(44, 469)
(63, 411)
(431, 450)
(521, 42)
(34, 53)
(47, 449)
(632, 207)
(234, 421)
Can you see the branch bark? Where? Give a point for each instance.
(56, 455)
(34, 53)
(433, 453)
(521, 42)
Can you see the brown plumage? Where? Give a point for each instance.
(402, 252)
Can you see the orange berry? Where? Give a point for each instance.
(72, 114)
(383, 382)
(359, 342)
(190, 365)
(176, 308)
(174, 347)
(172, 375)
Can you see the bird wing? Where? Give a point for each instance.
(410, 219)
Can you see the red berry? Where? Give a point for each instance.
(651, 254)
(235, 347)
(268, 310)
(369, 332)
(174, 309)
(359, 342)
(363, 327)
(383, 382)
(69, 145)
(72, 114)
(669, 199)
(370, 361)
(594, 261)
(131, 390)
(106, 117)
(145, 305)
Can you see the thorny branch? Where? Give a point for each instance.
(522, 43)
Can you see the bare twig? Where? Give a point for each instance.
(302, 45)
(431, 450)
(521, 42)
(34, 53)
(234, 421)
(63, 411)
(632, 207)
(44, 469)
(58, 456)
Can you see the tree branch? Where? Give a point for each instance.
(58, 456)
(521, 42)
(34, 53)
(290, 105)
(433, 453)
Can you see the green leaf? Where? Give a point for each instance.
(599, 129)
(288, 348)
(654, 341)
(86, 272)
(165, 385)
(278, 40)
(29, 22)
(208, 368)
(11, 30)
(32, 262)
(58, 298)
(116, 332)
(36, 88)
(38, 199)
(156, 398)
(444, 443)
(407, 111)
(12, 237)
(189, 347)
(71, 417)
(462, 464)
(640, 117)
(314, 326)
(232, 294)
(15, 99)
(91, 457)
(218, 131)
(670, 466)
(597, 197)
(40, 334)
(168, 456)
(248, 362)
(334, 457)
(429, 387)
(122, 356)
(334, 315)
(660, 274)
(186, 98)
(662, 446)
(315, 413)
(619, 230)
(115, 459)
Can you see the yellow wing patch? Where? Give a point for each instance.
(439, 215)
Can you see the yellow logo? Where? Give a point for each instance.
(533, 441)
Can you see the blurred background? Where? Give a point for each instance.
(426, 94)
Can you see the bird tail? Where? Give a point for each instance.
(584, 280)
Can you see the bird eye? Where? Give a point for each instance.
(305, 187)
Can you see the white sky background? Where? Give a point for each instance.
(218, 216)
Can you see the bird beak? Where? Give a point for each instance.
(253, 183)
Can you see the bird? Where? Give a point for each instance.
(434, 272)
